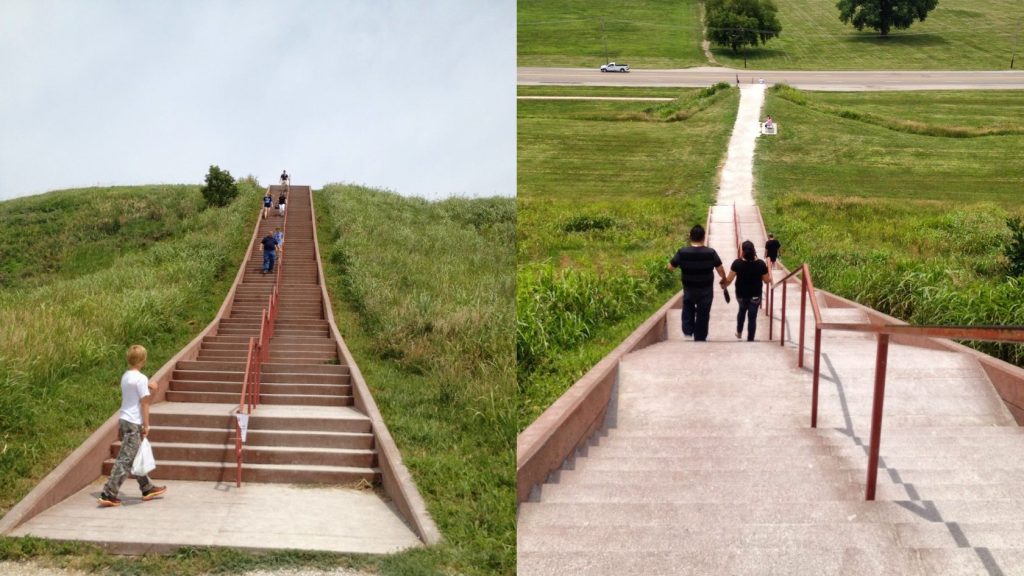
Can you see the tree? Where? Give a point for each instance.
(220, 187)
(883, 15)
(738, 23)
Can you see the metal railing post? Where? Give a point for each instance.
(817, 375)
(803, 315)
(881, 361)
(782, 322)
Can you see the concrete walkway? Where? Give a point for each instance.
(255, 516)
(737, 183)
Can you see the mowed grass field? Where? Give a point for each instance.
(956, 35)
(607, 191)
(899, 200)
(650, 34)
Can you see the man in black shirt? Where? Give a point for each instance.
(697, 264)
(771, 249)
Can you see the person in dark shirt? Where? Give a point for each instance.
(771, 249)
(749, 272)
(697, 264)
(269, 247)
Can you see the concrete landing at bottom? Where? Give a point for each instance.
(255, 516)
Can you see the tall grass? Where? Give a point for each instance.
(423, 292)
(911, 222)
(64, 329)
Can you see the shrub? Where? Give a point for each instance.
(220, 187)
(1014, 246)
(584, 223)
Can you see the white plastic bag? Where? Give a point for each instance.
(144, 461)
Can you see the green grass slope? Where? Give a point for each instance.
(606, 192)
(87, 273)
(422, 292)
(900, 200)
(650, 34)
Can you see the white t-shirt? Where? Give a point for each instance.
(134, 387)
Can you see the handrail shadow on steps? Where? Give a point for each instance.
(892, 328)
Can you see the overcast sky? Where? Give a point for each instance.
(416, 97)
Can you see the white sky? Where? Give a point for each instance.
(412, 96)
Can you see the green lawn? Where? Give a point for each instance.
(650, 34)
(957, 35)
(881, 144)
(606, 192)
(900, 200)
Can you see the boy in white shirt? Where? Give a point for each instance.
(134, 424)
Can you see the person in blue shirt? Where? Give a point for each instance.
(268, 201)
(269, 247)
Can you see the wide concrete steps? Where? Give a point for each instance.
(706, 463)
(850, 561)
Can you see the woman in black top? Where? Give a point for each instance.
(750, 273)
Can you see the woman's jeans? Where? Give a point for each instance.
(748, 309)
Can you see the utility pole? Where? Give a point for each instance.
(605, 36)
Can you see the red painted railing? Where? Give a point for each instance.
(258, 354)
(979, 333)
(806, 288)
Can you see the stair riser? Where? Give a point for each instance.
(182, 471)
(257, 422)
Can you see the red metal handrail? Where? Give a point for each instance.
(806, 287)
(258, 354)
(980, 333)
(247, 402)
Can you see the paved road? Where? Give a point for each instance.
(839, 81)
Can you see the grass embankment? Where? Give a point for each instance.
(606, 192)
(900, 200)
(86, 273)
(422, 292)
(650, 34)
(957, 35)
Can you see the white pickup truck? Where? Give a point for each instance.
(613, 67)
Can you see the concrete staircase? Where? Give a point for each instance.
(305, 429)
(706, 463)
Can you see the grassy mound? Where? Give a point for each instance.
(423, 296)
(87, 273)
